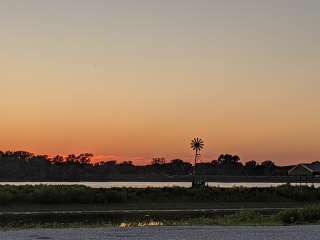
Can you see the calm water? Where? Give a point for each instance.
(150, 184)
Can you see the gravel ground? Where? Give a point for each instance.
(169, 233)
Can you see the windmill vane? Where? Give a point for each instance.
(197, 144)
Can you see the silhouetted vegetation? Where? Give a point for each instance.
(95, 219)
(25, 166)
(308, 214)
(76, 194)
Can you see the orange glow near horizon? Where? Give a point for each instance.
(133, 81)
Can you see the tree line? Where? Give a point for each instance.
(26, 166)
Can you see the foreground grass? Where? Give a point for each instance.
(245, 217)
(45, 199)
(240, 218)
(307, 215)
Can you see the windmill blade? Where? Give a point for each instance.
(197, 144)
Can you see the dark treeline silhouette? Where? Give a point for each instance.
(26, 166)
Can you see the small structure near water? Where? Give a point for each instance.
(305, 171)
(199, 182)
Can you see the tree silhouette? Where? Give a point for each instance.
(250, 167)
(25, 166)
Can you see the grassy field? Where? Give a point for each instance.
(80, 198)
(146, 206)
(55, 219)
(76, 194)
(57, 206)
(307, 215)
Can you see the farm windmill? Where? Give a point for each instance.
(197, 145)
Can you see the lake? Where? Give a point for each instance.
(153, 184)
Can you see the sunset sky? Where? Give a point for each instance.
(132, 80)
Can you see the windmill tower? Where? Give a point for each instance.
(197, 145)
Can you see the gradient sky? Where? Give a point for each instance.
(130, 80)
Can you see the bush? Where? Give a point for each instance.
(290, 216)
(309, 214)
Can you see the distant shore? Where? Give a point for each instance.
(185, 178)
(210, 178)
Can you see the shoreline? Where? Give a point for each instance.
(183, 178)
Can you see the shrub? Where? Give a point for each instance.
(290, 216)
(309, 214)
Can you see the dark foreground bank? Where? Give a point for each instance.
(173, 233)
(50, 206)
(307, 215)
